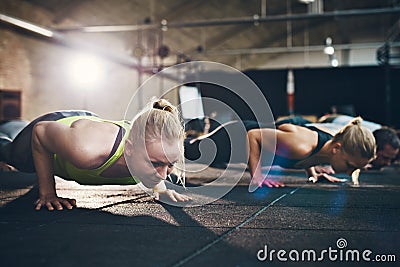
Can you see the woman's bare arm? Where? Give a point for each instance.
(43, 154)
(49, 138)
(259, 139)
(291, 141)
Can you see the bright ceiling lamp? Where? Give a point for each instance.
(334, 62)
(328, 49)
(306, 1)
(86, 70)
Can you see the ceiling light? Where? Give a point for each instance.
(306, 1)
(329, 50)
(334, 62)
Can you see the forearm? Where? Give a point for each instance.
(255, 142)
(43, 160)
(254, 150)
(45, 177)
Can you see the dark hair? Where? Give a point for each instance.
(386, 136)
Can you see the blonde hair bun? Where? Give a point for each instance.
(164, 104)
(356, 139)
(357, 121)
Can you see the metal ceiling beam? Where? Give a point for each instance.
(394, 32)
(26, 25)
(294, 49)
(234, 21)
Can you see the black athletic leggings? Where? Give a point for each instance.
(230, 144)
(18, 153)
(236, 151)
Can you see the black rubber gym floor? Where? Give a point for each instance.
(301, 224)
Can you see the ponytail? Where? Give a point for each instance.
(356, 139)
(164, 105)
(356, 121)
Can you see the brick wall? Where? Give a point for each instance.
(38, 68)
(15, 66)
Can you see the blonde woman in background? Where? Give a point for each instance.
(302, 147)
(80, 146)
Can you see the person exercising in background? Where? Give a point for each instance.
(387, 139)
(387, 148)
(298, 147)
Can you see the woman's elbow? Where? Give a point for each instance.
(253, 135)
(38, 134)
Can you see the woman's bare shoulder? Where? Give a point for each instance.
(296, 141)
(91, 141)
(292, 128)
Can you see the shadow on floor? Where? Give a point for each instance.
(96, 237)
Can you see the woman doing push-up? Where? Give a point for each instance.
(80, 146)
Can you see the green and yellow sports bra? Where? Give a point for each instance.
(67, 171)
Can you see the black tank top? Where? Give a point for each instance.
(284, 162)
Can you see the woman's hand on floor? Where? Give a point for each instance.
(326, 176)
(172, 195)
(54, 202)
(271, 183)
(316, 172)
(260, 182)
